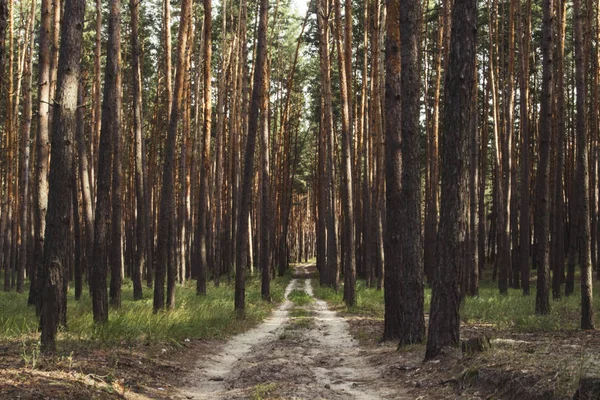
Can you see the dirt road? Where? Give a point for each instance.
(303, 351)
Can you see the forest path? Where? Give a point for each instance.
(303, 351)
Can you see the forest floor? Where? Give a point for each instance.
(311, 349)
(303, 351)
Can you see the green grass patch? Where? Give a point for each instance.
(300, 297)
(512, 311)
(262, 391)
(209, 316)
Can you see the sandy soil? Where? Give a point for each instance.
(311, 356)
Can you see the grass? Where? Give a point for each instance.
(300, 298)
(210, 316)
(511, 311)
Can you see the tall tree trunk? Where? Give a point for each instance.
(25, 149)
(110, 129)
(141, 177)
(393, 322)
(203, 211)
(347, 183)
(330, 275)
(248, 174)
(167, 198)
(40, 189)
(56, 246)
(431, 219)
(404, 255)
(84, 179)
(542, 300)
(116, 241)
(525, 230)
(444, 321)
(97, 88)
(582, 172)
(265, 198)
(558, 237)
(472, 274)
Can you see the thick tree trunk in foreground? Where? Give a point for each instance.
(406, 231)
(56, 242)
(393, 169)
(444, 322)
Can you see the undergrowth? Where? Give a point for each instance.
(194, 316)
(300, 297)
(510, 311)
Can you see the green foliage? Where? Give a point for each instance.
(261, 390)
(193, 317)
(512, 311)
(300, 297)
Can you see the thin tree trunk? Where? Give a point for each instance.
(141, 177)
(329, 275)
(116, 241)
(84, 179)
(542, 304)
(110, 129)
(248, 175)
(25, 149)
(347, 183)
(167, 198)
(203, 209)
(265, 198)
(558, 238)
(582, 171)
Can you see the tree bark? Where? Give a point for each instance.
(141, 177)
(393, 320)
(525, 229)
(110, 128)
(248, 174)
(203, 226)
(116, 241)
(542, 303)
(167, 198)
(40, 189)
(558, 238)
(404, 233)
(444, 321)
(56, 246)
(582, 172)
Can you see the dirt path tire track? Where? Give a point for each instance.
(315, 359)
